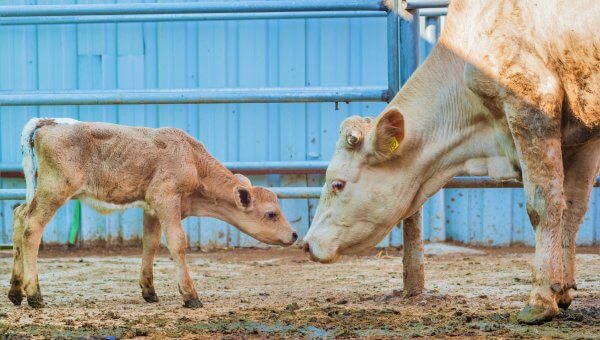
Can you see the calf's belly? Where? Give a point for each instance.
(104, 207)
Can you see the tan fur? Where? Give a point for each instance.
(164, 171)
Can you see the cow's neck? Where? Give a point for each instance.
(447, 127)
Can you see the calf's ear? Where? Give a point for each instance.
(387, 134)
(243, 198)
(244, 179)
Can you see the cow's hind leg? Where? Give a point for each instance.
(16, 293)
(581, 167)
(37, 214)
(151, 242)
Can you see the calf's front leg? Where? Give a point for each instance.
(150, 244)
(413, 258)
(169, 216)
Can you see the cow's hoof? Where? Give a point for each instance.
(15, 296)
(35, 300)
(192, 303)
(565, 302)
(152, 297)
(535, 315)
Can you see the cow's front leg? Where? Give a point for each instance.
(16, 294)
(412, 261)
(150, 244)
(169, 216)
(581, 167)
(536, 131)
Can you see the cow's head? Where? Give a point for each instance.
(371, 184)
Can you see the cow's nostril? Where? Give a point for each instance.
(294, 237)
(306, 247)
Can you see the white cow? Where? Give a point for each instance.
(512, 90)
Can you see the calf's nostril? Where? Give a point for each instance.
(306, 247)
(294, 237)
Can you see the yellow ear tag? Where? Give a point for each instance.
(393, 144)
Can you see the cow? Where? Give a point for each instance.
(511, 91)
(165, 171)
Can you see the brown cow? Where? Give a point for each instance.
(111, 167)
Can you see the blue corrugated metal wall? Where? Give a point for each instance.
(230, 54)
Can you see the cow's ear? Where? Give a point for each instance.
(387, 134)
(243, 198)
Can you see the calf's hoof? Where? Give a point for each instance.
(15, 296)
(35, 300)
(535, 315)
(192, 303)
(151, 297)
(564, 300)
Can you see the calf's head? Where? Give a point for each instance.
(255, 211)
(370, 185)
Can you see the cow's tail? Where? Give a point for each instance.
(28, 150)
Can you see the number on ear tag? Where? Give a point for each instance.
(393, 144)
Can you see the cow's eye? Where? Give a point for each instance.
(338, 185)
(271, 215)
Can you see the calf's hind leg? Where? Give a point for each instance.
(581, 167)
(150, 244)
(37, 214)
(16, 294)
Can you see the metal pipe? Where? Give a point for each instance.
(393, 26)
(433, 12)
(409, 46)
(129, 18)
(252, 168)
(418, 4)
(199, 7)
(315, 192)
(197, 96)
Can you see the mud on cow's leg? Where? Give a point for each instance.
(536, 132)
(413, 258)
(169, 215)
(581, 167)
(16, 293)
(150, 244)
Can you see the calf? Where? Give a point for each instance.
(110, 167)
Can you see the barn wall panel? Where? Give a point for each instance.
(299, 52)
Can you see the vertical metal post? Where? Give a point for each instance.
(393, 23)
(409, 45)
(437, 219)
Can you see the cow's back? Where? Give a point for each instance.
(501, 36)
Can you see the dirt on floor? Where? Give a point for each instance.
(277, 293)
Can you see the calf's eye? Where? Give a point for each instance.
(271, 215)
(338, 185)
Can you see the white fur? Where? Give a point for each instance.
(28, 152)
(104, 208)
